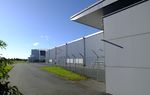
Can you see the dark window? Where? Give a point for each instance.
(42, 53)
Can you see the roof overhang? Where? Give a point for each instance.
(94, 14)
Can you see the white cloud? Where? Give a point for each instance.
(44, 37)
(36, 44)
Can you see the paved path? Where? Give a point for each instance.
(32, 81)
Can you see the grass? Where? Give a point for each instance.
(6, 69)
(66, 74)
(19, 62)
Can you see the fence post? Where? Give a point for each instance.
(66, 52)
(84, 45)
(74, 59)
(55, 55)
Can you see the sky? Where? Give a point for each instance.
(39, 24)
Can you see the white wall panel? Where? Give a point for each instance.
(94, 45)
(52, 54)
(75, 48)
(128, 81)
(61, 54)
(136, 52)
(48, 55)
(128, 69)
(131, 21)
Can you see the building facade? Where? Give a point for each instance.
(84, 55)
(126, 26)
(37, 55)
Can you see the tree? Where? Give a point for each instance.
(2, 44)
(3, 61)
(5, 87)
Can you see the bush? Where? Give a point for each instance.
(5, 87)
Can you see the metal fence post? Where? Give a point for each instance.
(55, 55)
(74, 59)
(66, 52)
(84, 59)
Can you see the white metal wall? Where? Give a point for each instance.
(72, 55)
(128, 69)
(48, 56)
(75, 48)
(61, 54)
(94, 49)
(52, 55)
(95, 56)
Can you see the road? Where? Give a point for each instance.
(32, 81)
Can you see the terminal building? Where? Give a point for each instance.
(37, 55)
(126, 26)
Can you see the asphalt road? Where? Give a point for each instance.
(32, 81)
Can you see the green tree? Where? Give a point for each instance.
(3, 61)
(2, 44)
(5, 87)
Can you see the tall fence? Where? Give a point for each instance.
(84, 56)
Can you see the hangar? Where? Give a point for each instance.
(126, 26)
(84, 55)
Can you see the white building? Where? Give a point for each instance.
(76, 51)
(53, 55)
(82, 55)
(38, 55)
(48, 56)
(61, 54)
(126, 26)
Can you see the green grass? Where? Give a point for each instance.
(19, 62)
(64, 73)
(6, 69)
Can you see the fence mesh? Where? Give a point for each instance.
(93, 69)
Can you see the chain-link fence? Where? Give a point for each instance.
(94, 70)
(84, 56)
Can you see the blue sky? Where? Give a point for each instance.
(27, 24)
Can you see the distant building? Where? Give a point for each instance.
(37, 55)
